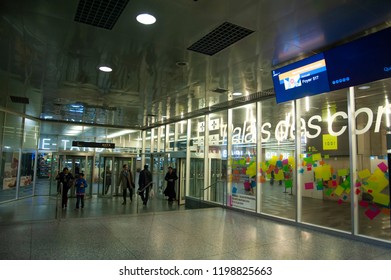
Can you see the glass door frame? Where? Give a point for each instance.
(117, 160)
(89, 173)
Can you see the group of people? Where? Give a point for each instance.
(145, 184)
(65, 181)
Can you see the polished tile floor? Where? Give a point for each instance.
(33, 229)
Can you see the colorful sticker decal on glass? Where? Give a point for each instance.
(371, 188)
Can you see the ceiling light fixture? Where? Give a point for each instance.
(105, 69)
(237, 94)
(146, 19)
(364, 87)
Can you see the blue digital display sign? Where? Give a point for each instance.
(361, 61)
(358, 62)
(303, 78)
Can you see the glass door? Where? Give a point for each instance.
(105, 182)
(79, 164)
(196, 177)
(217, 180)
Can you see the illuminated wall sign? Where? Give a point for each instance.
(302, 78)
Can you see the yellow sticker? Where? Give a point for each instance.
(330, 142)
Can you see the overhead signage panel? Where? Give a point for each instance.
(93, 144)
(361, 61)
(303, 78)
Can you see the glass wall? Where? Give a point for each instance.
(217, 158)
(197, 148)
(12, 132)
(373, 160)
(324, 164)
(244, 160)
(277, 163)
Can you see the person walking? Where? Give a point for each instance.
(81, 185)
(144, 184)
(126, 182)
(66, 179)
(170, 177)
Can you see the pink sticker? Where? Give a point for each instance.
(383, 167)
(363, 203)
(340, 201)
(309, 186)
(372, 213)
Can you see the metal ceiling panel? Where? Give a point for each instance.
(52, 59)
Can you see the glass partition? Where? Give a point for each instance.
(244, 151)
(197, 138)
(325, 161)
(217, 140)
(9, 172)
(278, 159)
(373, 160)
(26, 174)
(12, 133)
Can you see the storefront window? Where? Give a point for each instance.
(277, 164)
(244, 167)
(372, 184)
(325, 161)
(27, 170)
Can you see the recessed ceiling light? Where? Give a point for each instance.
(105, 69)
(364, 87)
(237, 94)
(146, 19)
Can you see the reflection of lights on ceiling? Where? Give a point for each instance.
(75, 130)
(387, 112)
(307, 103)
(120, 133)
(364, 87)
(146, 19)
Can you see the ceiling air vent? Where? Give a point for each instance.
(19, 99)
(220, 38)
(100, 13)
(220, 90)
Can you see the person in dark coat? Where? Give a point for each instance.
(170, 177)
(144, 184)
(126, 182)
(66, 179)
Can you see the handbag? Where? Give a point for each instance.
(151, 193)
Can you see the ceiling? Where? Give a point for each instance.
(160, 75)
